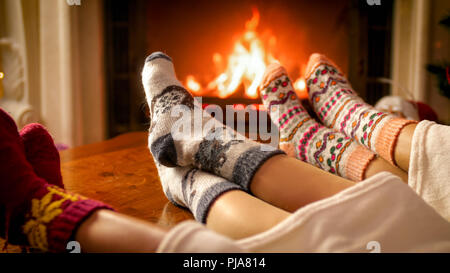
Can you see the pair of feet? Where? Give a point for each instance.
(200, 165)
(349, 134)
(34, 208)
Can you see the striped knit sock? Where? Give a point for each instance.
(302, 137)
(193, 189)
(339, 107)
(192, 137)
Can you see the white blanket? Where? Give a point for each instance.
(429, 166)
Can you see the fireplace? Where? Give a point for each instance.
(220, 48)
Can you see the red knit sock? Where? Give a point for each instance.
(41, 152)
(33, 212)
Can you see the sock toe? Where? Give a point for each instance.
(41, 153)
(33, 130)
(314, 60)
(273, 71)
(157, 55)
(157, 74)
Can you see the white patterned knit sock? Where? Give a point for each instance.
(214, 147)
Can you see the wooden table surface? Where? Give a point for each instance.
(121, 173)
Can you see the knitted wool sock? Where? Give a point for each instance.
(193, 189)
(302, 137)
(33, 212)
(339, 107)
(41, 153)
(214, 148)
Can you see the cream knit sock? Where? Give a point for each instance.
(195, 139)
(193, 189)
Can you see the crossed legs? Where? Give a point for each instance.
(235, 214)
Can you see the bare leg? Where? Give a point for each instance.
(381, 165)
(237, 214)
(289, 183)
(403, 147)
(108, 231)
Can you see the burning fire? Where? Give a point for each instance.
(192, 84)
(245, 65)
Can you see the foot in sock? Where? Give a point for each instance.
(192, 188)
(338, 106)
(33, 212)
(218, 150)
(304, 138)
(41, 153)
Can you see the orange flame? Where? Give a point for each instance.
(245, 65)
(192, 84)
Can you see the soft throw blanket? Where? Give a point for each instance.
(429, 167)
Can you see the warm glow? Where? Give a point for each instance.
(192, 84)
(300, 84)
(300, 87)
(217, 58)
(2, 75)
(245, 66)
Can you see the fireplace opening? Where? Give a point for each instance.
(221, 48)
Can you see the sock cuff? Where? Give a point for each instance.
(249, 163)
(64, 226)
(387, 138)
(357, 163)
(210, 196)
